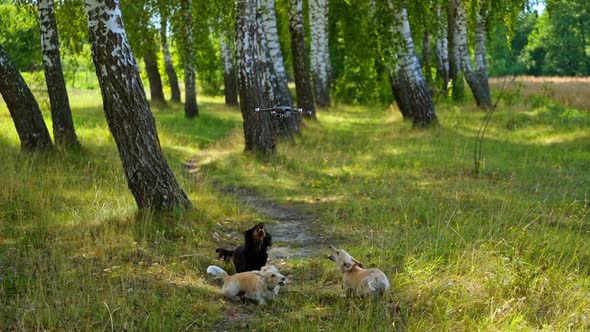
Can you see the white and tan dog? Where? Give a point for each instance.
(255, 285)
(355, 279)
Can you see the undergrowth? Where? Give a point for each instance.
(503, 250)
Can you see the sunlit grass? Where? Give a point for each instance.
(503, 250)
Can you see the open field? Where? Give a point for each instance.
(504, 250)
(568, 91)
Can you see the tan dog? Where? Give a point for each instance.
(355, 279)
(256, 285)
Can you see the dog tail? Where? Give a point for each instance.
(224, 254)
(217, 272)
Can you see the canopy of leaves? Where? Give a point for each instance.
(19, 35)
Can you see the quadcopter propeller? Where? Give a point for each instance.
(281, 111)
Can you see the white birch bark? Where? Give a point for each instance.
(227, 56)
(410, 88)
(258, 127)
(276, 87)
(407, 62)
(229, 70)
(61, 114)
(320, 51)
(481, 67)
(191, 109)
(303, 86)
(127, 111)
(476, 83)
(442, 48)
(168, 65)
(269, 21)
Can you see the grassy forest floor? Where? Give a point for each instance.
(507, 249)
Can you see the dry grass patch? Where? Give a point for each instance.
(568, 91)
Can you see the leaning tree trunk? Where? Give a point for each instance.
(275, 70)
(479, 87)
(230, 80)
(23, 107)
(455, 74)
(258, 126)
(151, 68)
(442, 51)
(170, 72)
(320, 51)
(61, 114)
(409, 85)
(303, 86)
(191, 109)
(127, 111)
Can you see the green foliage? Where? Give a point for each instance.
(19, 35)
(505, 54)
(358, 73)
(560, 43)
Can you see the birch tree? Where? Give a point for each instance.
(477, 77)
(455, 73)
(191, 109)
(61, 114)
(408, 83)
(303, 86)
(269, 22)
(259, 133)
(274, 69)
(127, 111)
(168, 66)
(151, 67)
(230, 81)
(320, 51)
(442, 48)
(23, 107)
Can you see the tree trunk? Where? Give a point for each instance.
(426, 57)
(409, 85)
(303, 86)
(479, 87)
(170, 72)
(23, 107)
(442, 51)
(275, 70)
(320, 51)
(151, 68)
(481, 68)
(230, 79)
(455, 75)
(258, 126)
(61, 114)
(127, 111)
(191, 109)
(269, 21)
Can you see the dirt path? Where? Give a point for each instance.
(292, 228)
(294, 234)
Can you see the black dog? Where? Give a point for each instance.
(251, 255)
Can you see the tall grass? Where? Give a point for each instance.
(504, 250)
(567, 91)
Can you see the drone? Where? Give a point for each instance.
(282, 111)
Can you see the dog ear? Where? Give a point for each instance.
(357, 263)
(347, 266)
